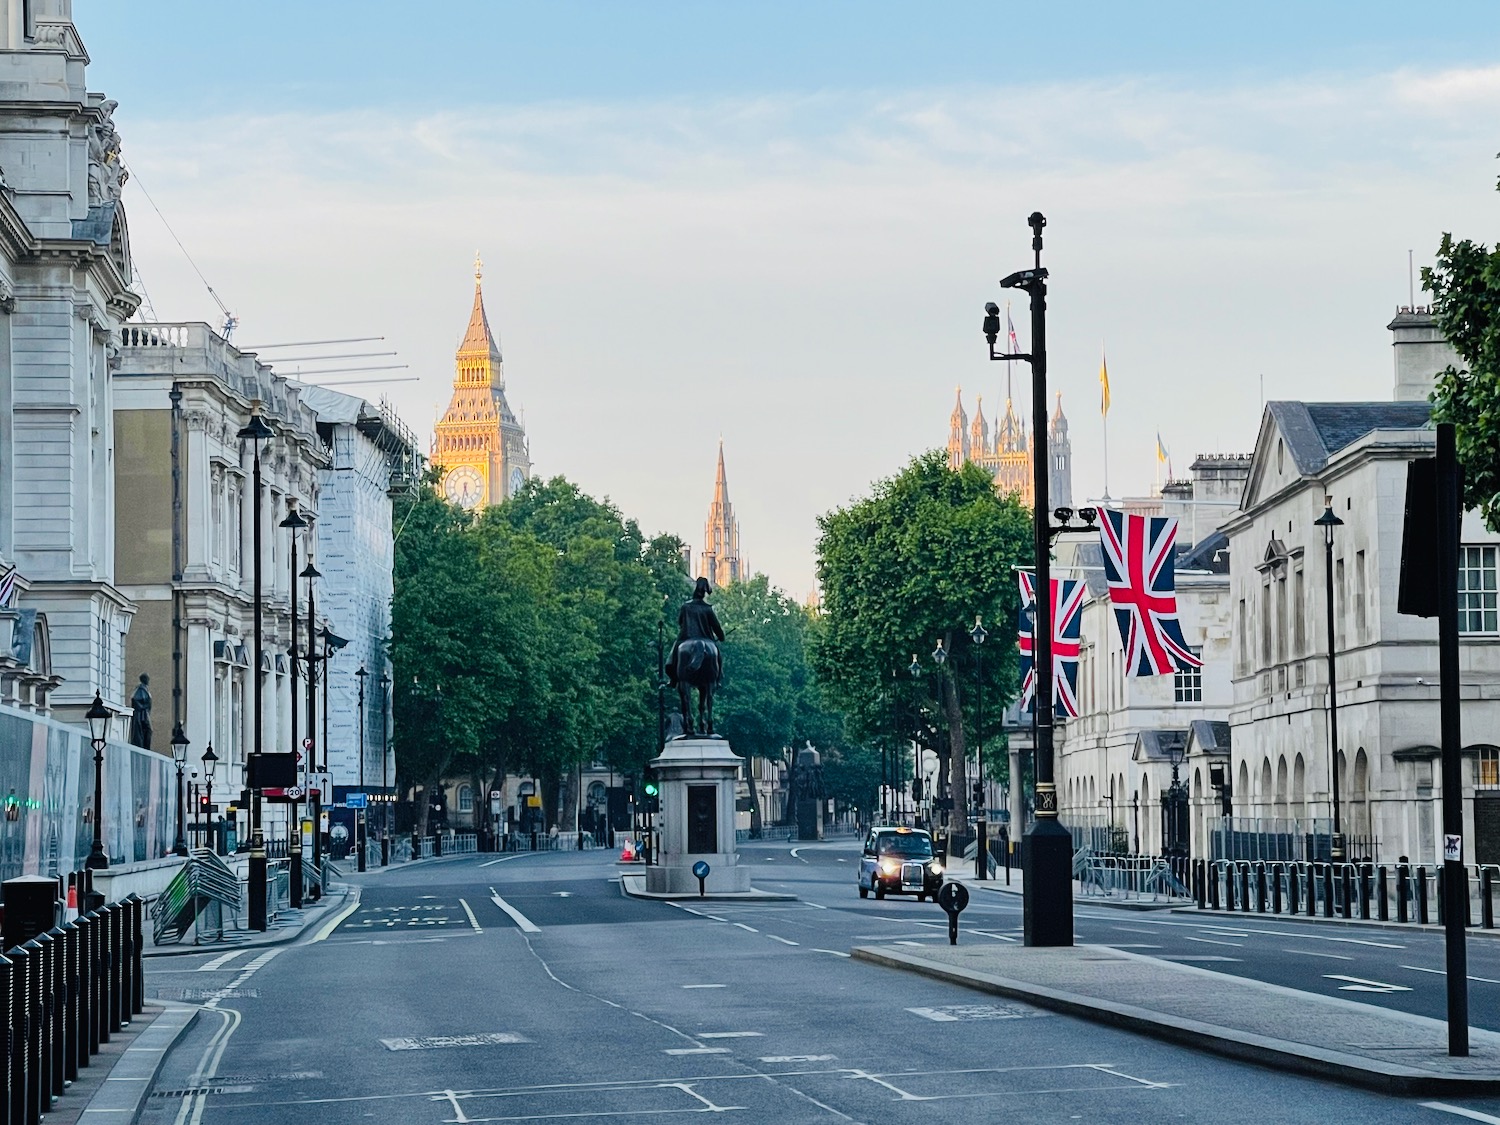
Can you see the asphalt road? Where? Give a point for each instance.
(529, 989)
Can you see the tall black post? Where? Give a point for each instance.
(180, 847)
(1328, 521)
(1455, 879)
(310, 748)
(981, 812)
(360, 814)
(385, 831)
(256, 431)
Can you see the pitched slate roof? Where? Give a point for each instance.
(1315, 431)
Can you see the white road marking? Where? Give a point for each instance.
(750, 929)
(815, 905)
(1191, 957)
(783, 940)
(526, 924)
(1211, 941)
(916, 943)
(796, 856)
(563, 894)
(835, 952)
(333, 923)
(219, 961)
(1471, 1114)
(933, 1014)
(1130, 945)
(729, 1035)
(696, 1051)
(1316, 953)
(1360, 984)
(705, 986)
(473, 921)
(1362, 941)
(796, 1058)
(1000, 937)
(1443, 973)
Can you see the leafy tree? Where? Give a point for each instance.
(1465, 284)
(901, 570)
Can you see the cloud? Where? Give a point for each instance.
(805, 273)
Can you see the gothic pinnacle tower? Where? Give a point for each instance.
(720, 561)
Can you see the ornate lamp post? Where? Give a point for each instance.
(360, 814)
(943, 798)
(981, 828)
(210, 765)
(255, 431)
(98, 717)
(309, 744)
(385, 785)
(1328, 521)
(179, 758)
(1174, 811)
(915, 670)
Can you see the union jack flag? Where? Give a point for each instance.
(1138, 553)
(1067, 616)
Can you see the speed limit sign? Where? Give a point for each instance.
(294, 792)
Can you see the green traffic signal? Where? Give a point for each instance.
(651, 789)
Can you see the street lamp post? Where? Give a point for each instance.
(981, 813)
(210, 765)
(1047, 856)
(944, 790)
(359, 814)
(192, 792)
(255, 431)
(1174, 812)
(179, 759)
(309, 744)
(385, 829)
(98, 718)
(1328, 521)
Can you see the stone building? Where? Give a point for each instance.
(64, 290)
(479, 442)
(185, 532)
(1007, 452)
(720, 561)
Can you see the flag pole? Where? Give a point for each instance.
(1104, 411)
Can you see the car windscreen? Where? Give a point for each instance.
(904, 845)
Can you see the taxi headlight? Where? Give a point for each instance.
(936, 868)
(889, 866)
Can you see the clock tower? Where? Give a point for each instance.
(479, 442)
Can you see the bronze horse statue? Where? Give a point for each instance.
(696, 661)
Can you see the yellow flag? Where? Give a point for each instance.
(1103, 385)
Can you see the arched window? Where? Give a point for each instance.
(465, 798)
(1281, 783)
(1299, 787)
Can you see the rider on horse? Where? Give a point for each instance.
(698, 632)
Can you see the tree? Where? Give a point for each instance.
(901, 570)
(1465, 284)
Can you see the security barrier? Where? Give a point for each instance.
(64, 992)
(1403, 892)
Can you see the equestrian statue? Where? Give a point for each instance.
(695, 661)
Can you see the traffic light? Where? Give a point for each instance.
(916, 789)
(653, 793)
(978, 793)
(203, 802)
(630, 787)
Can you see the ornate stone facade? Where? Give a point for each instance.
(479, 443)
(1007, 452)
(720, 561)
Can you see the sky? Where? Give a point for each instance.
(778, 222)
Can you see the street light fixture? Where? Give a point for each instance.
(981, 828)
(210, 767)
(179, 758)
(98, 716)
(309, 745)
(1048, 853)
(255, 431)
(1328, 521)
(1174, 811)
(360, 814)
(294, 523)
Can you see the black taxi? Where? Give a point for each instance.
(899, 861)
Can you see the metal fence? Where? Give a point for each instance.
(1284, 840)
(1404, 892)
(1131, 876)
(64, 993)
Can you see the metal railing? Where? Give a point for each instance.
(204, 884)
(65, 992)
(1284, 840)
(1403, 892)
(1132, 876)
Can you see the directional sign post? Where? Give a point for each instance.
(355, 801)
(953, 897)
(700, 869)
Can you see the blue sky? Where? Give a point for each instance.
(779, 222)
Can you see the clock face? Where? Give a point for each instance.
(464, 486)
(517, 481)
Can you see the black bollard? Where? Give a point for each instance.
(31, 1030)
(1486, 898)
(16, 1038)
(1293, 887)
(1403, 892)
(138, 954)
(71, 935)
(56, 1009)
(1364, 891)
(1422, 896)
(116, 966)
(1277, 872)
(1328, 890)
(1260, 888)
(7, 1001)
(1346, 888)
(1245, 888)
(1213, 887)
(1382, 892)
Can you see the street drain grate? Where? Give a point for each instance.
(189, 1091)
(438, 1042)
(207, 993)
(952, 1013)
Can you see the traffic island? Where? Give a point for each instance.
(1320, 1036)
(697, 778)
(635, 886)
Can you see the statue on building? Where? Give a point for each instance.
(140, 714)
(695, 661)
(106, 174)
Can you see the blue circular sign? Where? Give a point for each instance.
(700, 870)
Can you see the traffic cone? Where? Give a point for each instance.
(627, 853)
(71, 913)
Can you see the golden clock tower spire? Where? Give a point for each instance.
(479, 442)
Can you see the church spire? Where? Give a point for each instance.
(720, 560)
(478, 339)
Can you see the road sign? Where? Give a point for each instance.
(292, 792)
(1453, 848)
(953, 897)
(494, 802)
(700, 869)
(355, 800)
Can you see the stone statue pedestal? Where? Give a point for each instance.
(697, 778)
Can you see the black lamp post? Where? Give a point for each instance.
(1328, 521)
(385, 792)
(981, 828)
(179, 758)
(255, 431)
(1047, 854)
(915, 669)
(98, 717)
(1174, 812)
(210, 766)
(944, 798)
(309, 743)
(360, 814)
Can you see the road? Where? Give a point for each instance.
(528, 988)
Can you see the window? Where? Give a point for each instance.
(1187, 686)
(1359, 593)
(1489, 767)
(465, 798)
(1243, 635)
(1341, 632)
(1282, 632)
(1476, 590)
(1299, 602)
(1265, 625)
